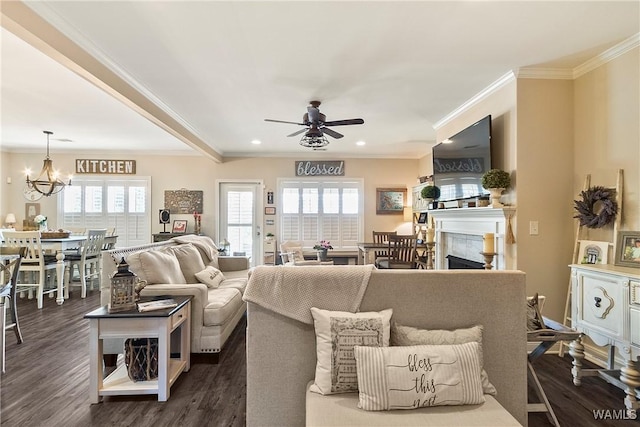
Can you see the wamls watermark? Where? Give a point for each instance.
(614, 414)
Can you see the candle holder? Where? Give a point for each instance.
(488, 259)
(430, 254)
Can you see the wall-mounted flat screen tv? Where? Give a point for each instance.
(460, 162)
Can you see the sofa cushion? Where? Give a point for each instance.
(336, 334)
(210, 276)
(237, 283)
(418, 376)
(408, 335)
(222, 305)
(161, 267)
(190, 261)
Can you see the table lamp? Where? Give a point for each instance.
(10, 220)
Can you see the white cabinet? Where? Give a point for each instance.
(605, 306)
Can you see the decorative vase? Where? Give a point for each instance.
(43, 226)
(495, 197)
(322, 255)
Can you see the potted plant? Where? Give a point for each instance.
(269, 237)
(496, 181)
(430, 193)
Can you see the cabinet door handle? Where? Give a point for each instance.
(598, 301)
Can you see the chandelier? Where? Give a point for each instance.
(314, 140)
(47, 183)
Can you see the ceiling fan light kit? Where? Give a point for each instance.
(316, 126)
(47, 183)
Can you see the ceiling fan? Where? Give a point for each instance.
(316, 126)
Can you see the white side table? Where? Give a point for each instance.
(132, 324)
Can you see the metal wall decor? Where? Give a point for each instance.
(183, 201)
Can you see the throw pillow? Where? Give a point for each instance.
(190, 261)
(336, 334)
(161, 267)
(407, 336)
(210, 276)
(418, 376)
(534, 317)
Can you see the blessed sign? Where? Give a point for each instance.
(469, 164)
(112, 167)
(320, 168)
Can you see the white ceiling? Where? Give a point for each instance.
(221, 68)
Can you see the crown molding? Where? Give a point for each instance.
(608, 55)
(545, 73)
(493, 87)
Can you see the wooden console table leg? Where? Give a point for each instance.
(576, 350)
(630, 377)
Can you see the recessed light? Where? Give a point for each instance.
(256, 142)
(360, 143)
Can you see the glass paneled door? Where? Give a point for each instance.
(240, 209)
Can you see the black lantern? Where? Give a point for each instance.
(125, 289)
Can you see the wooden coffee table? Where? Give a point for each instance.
(132, 324)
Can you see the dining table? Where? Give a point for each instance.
(59, 245)
(366, 249)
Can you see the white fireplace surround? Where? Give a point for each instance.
(459, 232)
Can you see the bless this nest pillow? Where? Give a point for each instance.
(210, 276)
(337, 332)
(410, 336)
(418, 376)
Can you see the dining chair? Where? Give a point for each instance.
(108, 245)
(9, 276)
(382, 237)
(37, 268)
(87, 262)
(402, 252)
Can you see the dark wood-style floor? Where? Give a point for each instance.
(47, 381)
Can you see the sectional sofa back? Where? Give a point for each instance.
(281, 355)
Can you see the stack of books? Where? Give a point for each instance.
(157, 305)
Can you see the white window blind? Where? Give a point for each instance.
(321, 209)
(123, 204)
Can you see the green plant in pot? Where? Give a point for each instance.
(496, 181)
(430, 193)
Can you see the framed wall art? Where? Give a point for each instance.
(270, 210)
(183, 201)
(592, 252)
(628, 249)
(179, 226)
(390, 201)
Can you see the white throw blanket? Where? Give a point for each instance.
(292, 290)
(203, 243)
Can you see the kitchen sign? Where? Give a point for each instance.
(106, 167)
(320, 168)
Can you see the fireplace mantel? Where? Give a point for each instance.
(473, 223)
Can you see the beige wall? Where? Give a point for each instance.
(199, 173)
(545, 187)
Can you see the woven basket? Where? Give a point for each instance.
(141, 358)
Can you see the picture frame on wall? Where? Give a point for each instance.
(422, 219)
(628, 249)
(593, 252)
(179, 226)
(270, 210)
(390, 201)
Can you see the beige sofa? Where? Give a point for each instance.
(281, 351)
(214, 311)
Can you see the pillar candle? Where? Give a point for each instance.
(430, 233)
(488, 241)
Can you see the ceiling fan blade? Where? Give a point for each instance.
(298, 132)
(345, 122)
(282, 121)
(332, 133)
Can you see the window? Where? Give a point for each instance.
(123, 204)
(321, 209)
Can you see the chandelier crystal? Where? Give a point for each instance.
(47, 183)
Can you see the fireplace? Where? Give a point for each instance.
(459, 233)
(457, 263)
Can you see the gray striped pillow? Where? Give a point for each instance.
(418, 376)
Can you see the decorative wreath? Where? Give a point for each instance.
(585, 207)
